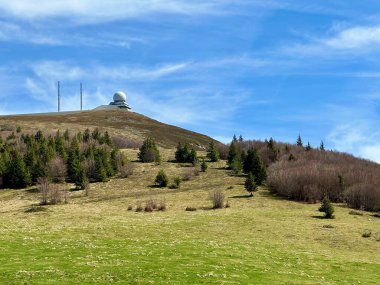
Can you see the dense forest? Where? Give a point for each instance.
(78, 158)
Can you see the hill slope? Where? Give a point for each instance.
(129, 125)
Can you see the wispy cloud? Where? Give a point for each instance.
(98, 10)
(356, 40)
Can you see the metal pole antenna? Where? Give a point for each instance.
(59, 98)
(81, 97)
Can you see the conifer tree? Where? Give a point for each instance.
(60, 146)
(100, 174)
(17, 175)
(204, 166)
(236, 165)
(66, 135)
(73, 160)
(274, 151)
(95, 134)
(232, 153)
(212, 152)
(38, 170)
(107, 139)
(250, 184)
(254, 164)
(149, 151)
(308, 147)
(86, 135)
(327, 208)
(299, 141)
(322, 146)
(162, 179)
(192, 157)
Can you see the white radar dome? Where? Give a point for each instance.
(119, 96)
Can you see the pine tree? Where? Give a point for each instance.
(38, 170)
(250, 184)
(322, 146)
(82, 180)
(327, 208)
(95, 134)
(149, 151)
(107, 139)
(232, 153)
(212, 152)
(162, 179)
(236, 165)
(204, 166)
(192, 157)
(299, 141)
(308, 147)
(73, 160)
(100, 174)
(17, 175)
(274, 151)
(86, 135)
(60, 146)
(254, 164)
(66, 135)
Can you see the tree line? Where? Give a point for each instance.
(78, 158)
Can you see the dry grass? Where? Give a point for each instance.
(128, 126)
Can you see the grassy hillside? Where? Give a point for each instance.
(130, 125)
(94, 239)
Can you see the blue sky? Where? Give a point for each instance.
(257, 68)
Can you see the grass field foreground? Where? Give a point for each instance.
(94, 239)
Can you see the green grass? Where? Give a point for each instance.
(258, 240)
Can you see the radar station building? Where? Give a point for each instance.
(119, 102)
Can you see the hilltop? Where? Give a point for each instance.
(120, 123)
(107, 234)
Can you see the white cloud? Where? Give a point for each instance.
(53, 71)
(99, 10)
(355, 38)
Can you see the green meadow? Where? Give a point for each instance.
(96, 239)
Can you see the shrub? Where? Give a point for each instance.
(57, 170)
(190, 209)
(187, 174)
(161, 206)
(139, 207)
(367, 234)
(327, 208)
(43, 186)
(356, 213)
(55, 195)
(162, 179)
(177, 182)
(35, 209)
(217, 198)
(126, 170)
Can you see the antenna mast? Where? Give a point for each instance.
(59, 98)
(81, 97)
